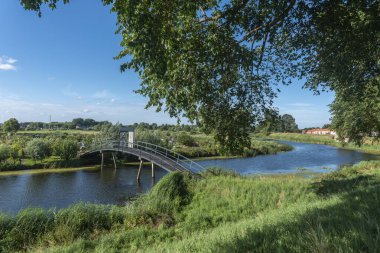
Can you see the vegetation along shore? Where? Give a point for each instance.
(218, 212)
(46, 149)
(370, 144)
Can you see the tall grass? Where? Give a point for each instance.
(217, 212)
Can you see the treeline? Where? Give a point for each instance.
(274, 122)
(13, 125)
(77, 123)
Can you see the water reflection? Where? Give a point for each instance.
(62, 189)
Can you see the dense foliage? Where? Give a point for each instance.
(38, 149)
(4, 152)
(217, 62)
(274, 122)
(66, 149)
(186, 139)
(11, 126)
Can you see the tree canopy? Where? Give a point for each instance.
(218, 63)
(11, 126)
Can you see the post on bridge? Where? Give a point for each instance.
(102, 164)
(140, 167)
(123, 132)
(114, 159)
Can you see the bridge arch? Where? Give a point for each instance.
(162, 157)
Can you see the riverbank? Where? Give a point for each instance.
(199, 153)
(220, 212)
(367, 147)
(48, 170)
(206, 149)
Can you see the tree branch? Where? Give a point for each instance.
(273, 23)
(262, 50)
(231, 11)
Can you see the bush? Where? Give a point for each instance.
(187, 140)
(149, 137)
(38, 149)
(66, 149)
(170, 194)
(16, 153)
(4, 152)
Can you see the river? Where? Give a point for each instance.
(58, 190)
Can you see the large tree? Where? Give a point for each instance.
(289, 123)
(218, 62)
(11, 126)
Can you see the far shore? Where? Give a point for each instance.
(42, 171)
(325, 140)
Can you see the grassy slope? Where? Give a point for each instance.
(221, 212)
(368, 146)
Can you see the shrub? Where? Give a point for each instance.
(16, 152)
(187, 140)
(4, 152)
(66, 149)
(38, 149)
(147, 136)
(169, 195)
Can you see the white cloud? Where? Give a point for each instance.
(70, 93)
(103, 97)
(7, 63)
(127, 113)
(103, 94)
(300, 104)
(11, 60)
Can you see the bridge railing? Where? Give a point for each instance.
(175, 157)
(180, 159)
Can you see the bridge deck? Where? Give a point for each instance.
(164, 158)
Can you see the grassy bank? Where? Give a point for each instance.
(51, 163)
(220, 212)
(369, 145)
(50, 170)
(207, 148)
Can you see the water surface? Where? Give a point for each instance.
(313, 157)
(117, 186)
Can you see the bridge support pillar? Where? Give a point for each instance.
(139, 172)
(102, 164)
(153, 176)
(114, 160)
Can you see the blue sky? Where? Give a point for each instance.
(62, 65)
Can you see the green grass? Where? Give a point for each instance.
(52, 163)
(48, 170)
(207, 148)
(369, 145)
(218, 212)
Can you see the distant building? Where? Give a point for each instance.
(320, 131)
